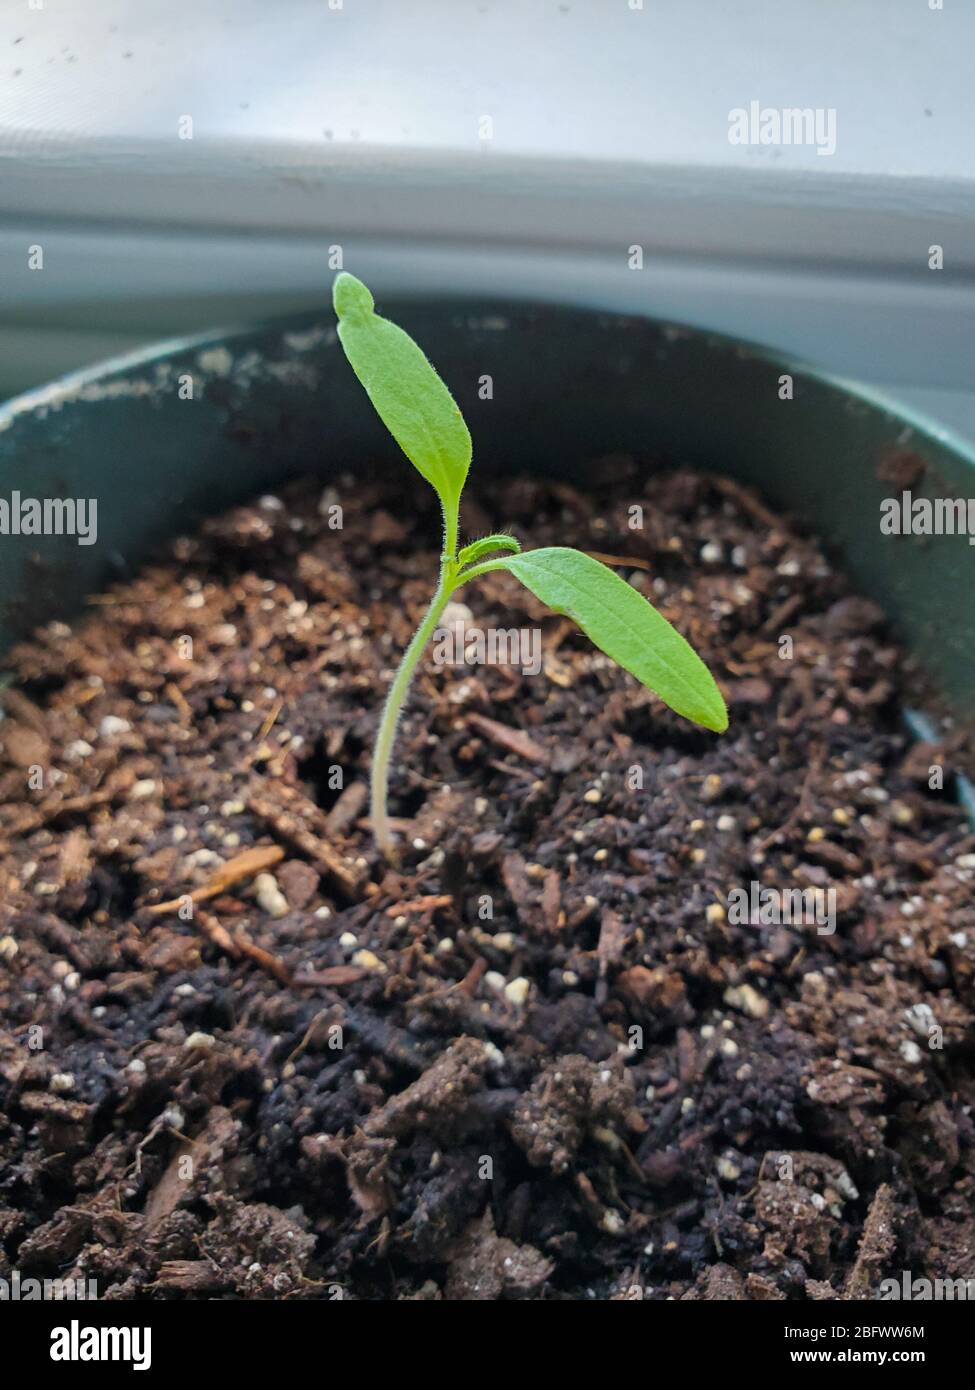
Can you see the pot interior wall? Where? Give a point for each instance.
(162, 438)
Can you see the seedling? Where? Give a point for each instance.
(422, 416)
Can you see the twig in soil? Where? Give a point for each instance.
(346, 809)
(618, 561)
(289, 823)
(428, 904)
(85, 1023)
(269, 722)
(332, 977)
(598, 1214)
(247, 864)
(157, 1128)
(514, 740)
(176, 696)
(552, 900)
(778, 618)
(239, 945)
(272, 964)
(613, 933)
(216, 934)
(309, 1032)
(554, 638)
(747, 501)
(116, 786)
(24, 710)
(468, 985)
(523, 773)
(514, 876)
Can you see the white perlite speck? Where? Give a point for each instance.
(368, 960)
(269, 895)
(747, 1000)
(516, 991)
(112, 725)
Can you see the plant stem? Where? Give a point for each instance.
(451, 579)
(379, 782)
(475, 571)
(393, 708)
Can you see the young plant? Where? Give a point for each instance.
(422, 416)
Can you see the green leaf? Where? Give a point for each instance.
(625, 626)
(409, 397)
(478, 549)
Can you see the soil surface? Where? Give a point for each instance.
(240, 1056)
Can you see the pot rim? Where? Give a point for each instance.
(62, 389)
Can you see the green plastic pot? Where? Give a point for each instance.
(162, 437)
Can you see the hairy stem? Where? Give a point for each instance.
(475, 571)
(399, 689)
(394, 707)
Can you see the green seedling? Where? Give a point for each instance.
(422, 416)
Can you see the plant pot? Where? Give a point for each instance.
(558, 1048)
(274, 401)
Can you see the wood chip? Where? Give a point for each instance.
(190, 1276)
(290, 822)
(239, 945)
(346, 809)
(247, 864)
(263, 958)
(520, 891)
(514, 740)
(613, 932)
(630, 562)
(472, 979)
(428, 904)
(206, 1152)
(24, 747)
(551, 900)
(19, 707)
(877, 1242)
(331, 977)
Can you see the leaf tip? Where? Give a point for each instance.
(351, 298)
(717, 720)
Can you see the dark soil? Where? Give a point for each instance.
(335, 1079)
